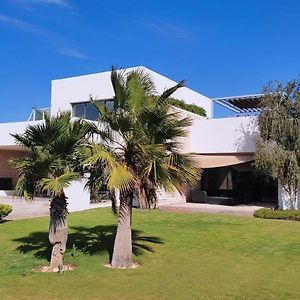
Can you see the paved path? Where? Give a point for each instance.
(23, 209)
(239, 210)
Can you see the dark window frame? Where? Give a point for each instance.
(104, 101)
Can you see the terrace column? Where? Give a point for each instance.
(284, 199)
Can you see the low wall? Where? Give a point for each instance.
(164, 197)
(225, 135)
(78, 196)
(6, 193)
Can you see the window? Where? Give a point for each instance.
(109, 105)
(6, 184)
(79, 110)
(87, 110)
(91, 112)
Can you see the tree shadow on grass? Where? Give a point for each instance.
(2, 221)
(94, 240)
(37, 242)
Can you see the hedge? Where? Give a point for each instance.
(4, 210)
(267, 213)
(188, 107)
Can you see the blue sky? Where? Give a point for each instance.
(221, 47)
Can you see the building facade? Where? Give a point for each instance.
(224, 148)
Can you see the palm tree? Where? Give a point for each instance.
(142, 138)
(50, 167)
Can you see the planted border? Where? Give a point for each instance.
(266, 213)
(5, 210)
(193, 108)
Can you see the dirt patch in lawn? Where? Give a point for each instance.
(134, 266)
(47, 269)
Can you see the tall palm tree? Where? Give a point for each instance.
(142, 138)
(50, 166)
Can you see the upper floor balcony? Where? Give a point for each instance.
(38, 114)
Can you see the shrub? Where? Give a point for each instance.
(188, 107)
(4, 210)
(266, 213)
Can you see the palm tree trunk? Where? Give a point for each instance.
(58, 231)
(147, 195)
(122, 252)
(142, 198)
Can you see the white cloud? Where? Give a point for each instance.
(59, 43)
(32, 3)
(21, 25)
(68, 50)
(167, 29)
(56, 2)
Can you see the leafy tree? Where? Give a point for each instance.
(278, 147)
(140, 151)
(50, 167)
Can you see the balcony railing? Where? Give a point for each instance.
(38, 114)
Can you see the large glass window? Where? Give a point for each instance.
(79, 110)
(109, 104)
(87, 110)
(91, 112)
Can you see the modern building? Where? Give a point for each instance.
(223, 147)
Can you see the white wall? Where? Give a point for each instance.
(6, 129)
(78, 196)
(227, 135)
(184, 142)
(79, 89)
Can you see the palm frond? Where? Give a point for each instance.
(121, 178)
(166, 94)
(95, 153)
(140, 88)
(52, 151)
(25, 187)
(148, 137)
(118, 82)
(57, 184)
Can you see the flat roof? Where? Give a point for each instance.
(241, 104)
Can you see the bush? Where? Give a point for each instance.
(4, 210)
(266, 213)
(188, 107)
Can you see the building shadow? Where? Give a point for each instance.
(88, 240)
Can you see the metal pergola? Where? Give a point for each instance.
(241, 104)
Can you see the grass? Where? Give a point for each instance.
(182, 256)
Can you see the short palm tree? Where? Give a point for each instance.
(142, 140)
(50, 167)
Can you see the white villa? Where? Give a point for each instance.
(224, 147)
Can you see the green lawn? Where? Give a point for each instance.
(182, 256)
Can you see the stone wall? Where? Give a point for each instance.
(164, 197)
